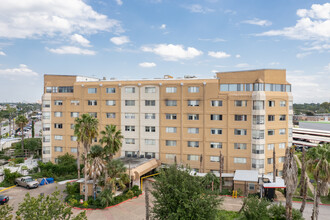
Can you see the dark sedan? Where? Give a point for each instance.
(3, 199)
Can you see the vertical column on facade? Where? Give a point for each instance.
(290, 118)
(228, 129)
(139, 118)
(100, 108)
(181, 124)
(204, 129)
(46, 146)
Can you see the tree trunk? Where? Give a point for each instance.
(78, 160)
(94, 186)
(289, 207)
(304, 187)
(317, 196)
(303, 172)
(274, 165)
(147, 201)
(85, 173)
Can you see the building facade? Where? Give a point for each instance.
(244, 115)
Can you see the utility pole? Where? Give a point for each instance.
(220, 171)
(274, 165)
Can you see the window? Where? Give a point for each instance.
(129, 102)
(258, 119)
(171, 116)
(57, 125)
(235, 87)
(129, 128)
(48, 89)
(73, 138)
(258, 87)
(129, 115)
(240, 103)
(240, 132)
(269, 160)
(282, 103)
(150, 89)
(281, 159)
(58, 102)
(65, 89)
(150, 154)
(290, 132)
(92, 90)
(170, 156)
(58, 137)
(129, 90)
(75, 102)
(150, 116)
(282, 117)
(271, 103)
(257, 148)
(46, 127)
(216, 117)
(150, 103)
(249, 87)
(193, 102)
(46, 104)
(271, 146)
(74, 114)
(282, 131)
(214, 158)
(129, 141)
(170, 103)
(251, 186)
(58, 149)
(54, 89)
(111, 115)
(170, 89)
(224, 87)
(193, 130)
(258, 134)
(150, 129)
(280, 173)
(130, 154)
(281, 145)
(192, 157)
(92, 102)
(46, 138)
(288, 88)
(110, 102)
(193, 117)
(216, 131)
(46, 115)
(170, 143)
(290, 105)
(58, 114)
(271, 117)
(271, 132)
(258, 163)
(240, 117)
(258, 105)
(170, 129)
(150, 142)
(193, 89)
(216, 103)
(72, 126)
(239, 160)
(93, 114)
(46, 150)
(193, 144)
(216, 145)
(240, 146)
(110, 90)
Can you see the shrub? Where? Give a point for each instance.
(4, 157)
(277, 211)
(72, 188)
(19, 160)
(85, 204)
(9, 179)
(228, 215)
(255, 208)
(130, 194)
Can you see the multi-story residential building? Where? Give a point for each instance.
(244, 114)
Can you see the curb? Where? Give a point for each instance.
(7, 188)
(301, 202)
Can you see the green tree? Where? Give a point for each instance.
(48, 207)
(87, 128)
(210, 178)
(6, 212)
(318, 163)
(255, 208)
(21, 122)
(178, 195)
(117, 176)
(106, 197)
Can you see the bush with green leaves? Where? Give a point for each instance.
(9, 179)
(33, 145)
(18, 160)
(277, 212)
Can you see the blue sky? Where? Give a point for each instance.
(130, 39)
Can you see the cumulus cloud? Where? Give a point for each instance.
(77, 38)
(2, 53)
(21, 71)
(163, 26)
(242, 65)
(219, 54)
(238, 56)
(313, 24)
(147, 65)
(173, 52)
(196, 8)
(72, 50)
(37, 18)
(119, 2)
(302, 55)
(257, 21)
(212, 39)
(120, 40)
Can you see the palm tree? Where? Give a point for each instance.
(87, 130)
(318, 162)
(21, 122)
(290, 178)
(117, 175)
(95, 165)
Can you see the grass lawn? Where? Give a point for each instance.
(319, 122)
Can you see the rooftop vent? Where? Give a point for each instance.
(168, 77)
(189, 77)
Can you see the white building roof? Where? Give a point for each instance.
(278, 184)
(246, 175)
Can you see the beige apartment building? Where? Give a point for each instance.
(244, 114)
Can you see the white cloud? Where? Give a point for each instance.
(302, 55)
(119, 2)
(147, 64)
(219, 54)
(77, 38)
(196, 8)
(37, 18)
(274, 63)
(21, 71)
(120, 40)
(327, 67)
(212, 39)
(238, 56)
(163, 26)
(318, 47)
(314, 24)
(72, 50)
(242, 65)
(257, 21)
(2, 53)
(173, 52)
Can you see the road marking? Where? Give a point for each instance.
(7, 188)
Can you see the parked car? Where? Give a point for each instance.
(3, 199)
(26, 182)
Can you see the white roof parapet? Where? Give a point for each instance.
(86, 79)
(246, 175)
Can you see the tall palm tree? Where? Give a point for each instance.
(95, 165)
(88, 130)
(21, 122)
(318, 162)
(290, 173)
